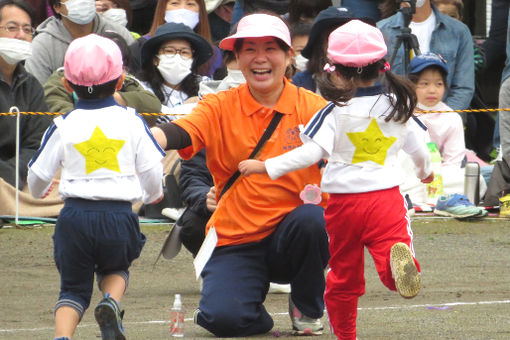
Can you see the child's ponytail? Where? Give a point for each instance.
(404, 100)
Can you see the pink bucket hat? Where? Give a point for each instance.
(356, 44)
(258, 26)
(92, 60)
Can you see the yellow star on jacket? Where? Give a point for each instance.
(100, 152)
(371, 144)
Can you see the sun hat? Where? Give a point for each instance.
(422, 61)
(202, 50)
(257, 26)
(92, 60)
(356, 44)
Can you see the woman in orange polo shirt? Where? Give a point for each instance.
(265, 232)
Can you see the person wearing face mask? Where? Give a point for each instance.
(191, 13)
(72, 19)
(17, 88)
(117, 11)
(169, 64)
(440, 34)
(299, 33)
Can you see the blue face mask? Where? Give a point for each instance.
(185, 16)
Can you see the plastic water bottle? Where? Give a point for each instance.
(471, 182)
(177, 318)
(435, 188)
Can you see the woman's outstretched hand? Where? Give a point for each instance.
(252, 166)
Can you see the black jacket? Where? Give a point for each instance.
(195, 181)
(27, 94)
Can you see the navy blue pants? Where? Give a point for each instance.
(236, 278)
(101, 237)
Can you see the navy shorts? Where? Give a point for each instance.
(93, 237)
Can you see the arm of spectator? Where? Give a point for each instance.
(195, 182)
(57, 97)
(462, 85)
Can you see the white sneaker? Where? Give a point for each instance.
(278, 288)
(406, 275)
(302, 324)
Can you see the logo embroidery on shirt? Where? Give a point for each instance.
(100, 152)
(371, 144)
(292, 139)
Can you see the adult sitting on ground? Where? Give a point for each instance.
(71, 19)
(265, 232)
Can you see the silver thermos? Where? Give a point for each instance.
(471, 182)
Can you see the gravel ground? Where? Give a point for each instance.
(465, 295)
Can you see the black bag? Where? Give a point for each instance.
(171, 199)
(499, 184)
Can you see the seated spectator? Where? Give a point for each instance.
(170, 60)
(117, 11)
(299, 33)
(305, 10)
(429, 74)
(20, 89)
(143, 12)
(132, 93)
(442, 35)
(220, 16)
(191, 13)
(315, 50)
(72, 19)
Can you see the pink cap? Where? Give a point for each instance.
(258, 26)
(356, 44)
(92, 60)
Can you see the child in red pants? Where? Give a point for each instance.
(360, 133)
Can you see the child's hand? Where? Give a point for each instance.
(252, 166)
(429, 178)
(50, 189)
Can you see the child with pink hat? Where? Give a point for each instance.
(109, 160)
(360, 133)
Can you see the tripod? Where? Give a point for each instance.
(406, 38)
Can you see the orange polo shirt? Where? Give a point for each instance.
(229, 124)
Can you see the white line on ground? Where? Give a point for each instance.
(448, 304)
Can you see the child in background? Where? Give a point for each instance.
(360, 133)
(299, 33)
(109, 160)
(429, 72)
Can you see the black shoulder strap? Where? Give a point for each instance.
(267, 134)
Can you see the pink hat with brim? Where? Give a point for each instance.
(258, 26)
(92, 60)
(356, 44)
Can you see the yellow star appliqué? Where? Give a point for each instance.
(100, 152)
(371, 144)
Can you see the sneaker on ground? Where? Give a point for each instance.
(457, 206)
(279, 288)
(109, 318)
(302, 324)
(405, 273)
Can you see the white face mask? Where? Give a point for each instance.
(116, 15)
(236, 77)
(420, 3)
(80, 12)
(301, 63)
(185, 16)
(15, 50)
(173, 68)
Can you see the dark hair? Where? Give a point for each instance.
(21, 5)
(414, 77)
(457, 3)
(318, 56)
(98, 91)
(52, 4)
(402, 88)
(307, 8)
(300, 28)
(388, 8)
(123, 46)
(150, 74)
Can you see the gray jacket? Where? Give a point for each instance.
(50, 44)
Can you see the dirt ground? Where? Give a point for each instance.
(466, 288)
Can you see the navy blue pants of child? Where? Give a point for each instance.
(236, 278)
(101, 237)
